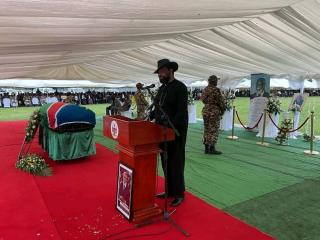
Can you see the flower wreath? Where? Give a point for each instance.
(32, 126)
(34, 164)
(283, 134)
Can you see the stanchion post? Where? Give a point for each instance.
(233, 114)
(311, 152)
(311, 132)
(262, 143)
(264, 125)
(232, 137)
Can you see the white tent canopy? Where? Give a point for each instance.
(119, 42)
(31, 83)
(282, 83)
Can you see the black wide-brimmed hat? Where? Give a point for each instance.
(167, 63)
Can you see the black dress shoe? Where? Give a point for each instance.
(177, 201)
(161, 195)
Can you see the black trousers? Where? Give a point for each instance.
(175, 164)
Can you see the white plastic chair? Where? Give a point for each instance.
(35, 101)
(6, 102)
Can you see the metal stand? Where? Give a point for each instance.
(166, 213)
(262, 143)
(24, 150)
(308, 152)
(311, 152)
(232, 137)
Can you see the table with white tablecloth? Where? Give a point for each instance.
(271, 130)
(226, 121)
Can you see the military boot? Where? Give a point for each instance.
(212, 150)
(206, 149)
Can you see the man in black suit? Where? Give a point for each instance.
(172, 99)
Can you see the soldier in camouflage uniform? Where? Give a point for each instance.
(212, 111)
(141, 102)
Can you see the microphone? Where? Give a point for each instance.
(148, 87)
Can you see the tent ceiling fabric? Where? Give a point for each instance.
(31, 83)
(119, 42)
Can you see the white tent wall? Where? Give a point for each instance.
(119, 43)
(85, 84)
(31, 83)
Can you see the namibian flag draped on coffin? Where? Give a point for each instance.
(66, 131)
(64, 117)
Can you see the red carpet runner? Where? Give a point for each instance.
(77, 202)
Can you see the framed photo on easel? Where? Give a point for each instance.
(298, 101)
(124, 190)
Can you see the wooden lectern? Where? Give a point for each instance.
(138, 148)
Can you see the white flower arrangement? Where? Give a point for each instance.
(228, 100)
(190, 98)
(274, 105)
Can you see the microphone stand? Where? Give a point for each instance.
(166, 213)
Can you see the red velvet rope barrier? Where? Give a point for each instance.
(249, 128)
(286, 129)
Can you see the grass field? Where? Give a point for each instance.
(9, 114)
(241, 104)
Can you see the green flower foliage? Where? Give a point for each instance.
(34, 164)
(283, 134)
(33, 125)
(228, 100)
(307, 137)
(190, 98)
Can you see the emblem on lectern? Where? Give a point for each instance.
(114, 129)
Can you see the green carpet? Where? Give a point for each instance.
(274, 188)
(245, 170)
(291, 213)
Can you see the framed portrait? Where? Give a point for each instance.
(124, 190)
(297, 102)
(260, 85)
